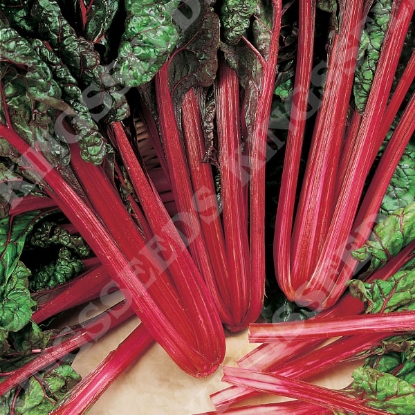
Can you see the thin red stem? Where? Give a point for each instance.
(341, 326)
(317, 196)
(257, 143)
(323, 279)
(186, 277)
(82, 289)
(293, 148)
(88, 391)
(233, 206)
(296, 389)
(206, 202)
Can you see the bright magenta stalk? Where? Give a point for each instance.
(341, 326)
(258, 158)
(152, 271)
(88, 391)
(372, 201)
(293, 148)
(206, 202)
(188, 218)
(186, 277)
(87, 332)
(347, 149)
(296, 389)
(398, 96)
(324, 277)
(97, 237)
(307, 364)
(270, 357)
(387, 165)
(287, 408)
(28, 203)
(317, 196)
(82, 289)
(234, 208)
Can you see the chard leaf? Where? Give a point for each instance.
(41, 392)
(195, 63)
(88, 136)
(149, 37)
(77, 53)
(387, 363)
(13, 234)
(15, 302)
(99, 16)
(235, 19)
(49, 234)
(384, 391)
(369, 50)
(403, 345)
(389, 237)
(82, 60)
(392, 294)
(32, 96)
(23, 342)
(401, 189)
(10, 184)
(63, 269)
(18, 14)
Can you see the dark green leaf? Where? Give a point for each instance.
(401, 189)
(235, 18)
(99, 18)
(149, 37)
(82, 60)
(49, 234)
(369, 50)
(32, 96)
(88, 136)
(15, 302)
(63, 269)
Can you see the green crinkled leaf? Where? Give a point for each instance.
(384, 391)
(15, 301)
(284, 90)
(49, 234)
(41, 392)
(388, 237)
(385, 296)
(57, 272)
(32, 96)
(88, 136)
(18, 14)
(29, 338)
(100, 14)
(83, 61)
(13, 235)
(401, 189)
(235, 19)
(369, 50)
(149, 37)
